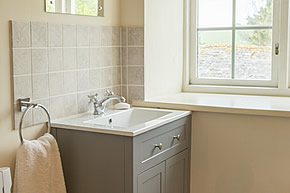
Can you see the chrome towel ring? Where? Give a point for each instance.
(29, 107)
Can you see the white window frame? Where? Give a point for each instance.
(279, 85)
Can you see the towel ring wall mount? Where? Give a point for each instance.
(25, 107)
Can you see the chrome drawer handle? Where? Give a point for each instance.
(177, 137)
(159, 146)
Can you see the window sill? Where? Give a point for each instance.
(222, 103)
(237, 90)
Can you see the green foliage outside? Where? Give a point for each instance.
(50, 6)
(262, 18)
(86, 7)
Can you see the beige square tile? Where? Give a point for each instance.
(40, 86)
(39, 115)
(56, 83)
(22, 87)
(95, 79)
(70, 82)
(70, 58)
(82, 35)
(56, 107)
(116, 36)
(28, 121)
(55, 59)
(117, 90)
(100, 57)
(124, 75)
(116, 56)
(101, 93)
(70, 105)
(108, 56)
(106, 35)
(39, 61)
(83, 58)
(124, 36)
(54, 35)
(116, 76)
(21, 61)
(93, 57)
(124, 56)
(69, 35)
(20, 34)
(125, 92)
(135, 75)
(106, 77)
(83, 80)
(136, 36)
(136, 56)
(94, 35)
(135, 93)
(39, 34)
(83, 102)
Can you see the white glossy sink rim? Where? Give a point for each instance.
(80, 122)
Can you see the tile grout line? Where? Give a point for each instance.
(121, 58)
(127, 61)
(120, 66)
(31, 77)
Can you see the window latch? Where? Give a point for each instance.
(277, 49)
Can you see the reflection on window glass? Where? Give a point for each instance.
(254, 12)
(249, 57)
(50, 6)
(253, 55)
(215, 13)
(215, 54)
(86, 7)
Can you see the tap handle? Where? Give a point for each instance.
(110, 93)
(93, 98)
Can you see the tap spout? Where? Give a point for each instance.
(100, 106)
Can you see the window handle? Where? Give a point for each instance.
(277, 49)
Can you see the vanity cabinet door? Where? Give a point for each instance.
(152, 180)
(177, 173)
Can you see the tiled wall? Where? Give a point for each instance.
(60, 65)
(133, 62)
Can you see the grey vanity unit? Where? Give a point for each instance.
(157, 161)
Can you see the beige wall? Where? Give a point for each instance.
(230, 153)
(240, 153)
(132, 13)
(31, 10)
(163, 51)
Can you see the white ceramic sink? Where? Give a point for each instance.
(130, 122)
(128, 118)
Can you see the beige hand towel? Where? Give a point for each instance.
(38, 167)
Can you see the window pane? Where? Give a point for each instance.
(214, 13)
(86, 7)
(50, 6)
(214, 54)
(254, 12)
(253, 55)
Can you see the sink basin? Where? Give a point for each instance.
(128, 118)
(131, 122)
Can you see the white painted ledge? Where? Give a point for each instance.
(222, 103)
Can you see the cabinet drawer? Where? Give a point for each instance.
(157, 145)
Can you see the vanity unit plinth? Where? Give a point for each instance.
(156, 161)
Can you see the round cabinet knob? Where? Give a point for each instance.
(177, 137)
(159, 146)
